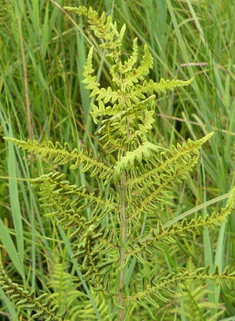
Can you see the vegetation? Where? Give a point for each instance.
(31, 244)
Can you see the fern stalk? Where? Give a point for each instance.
(122, 253)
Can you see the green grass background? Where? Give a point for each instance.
(42, 53)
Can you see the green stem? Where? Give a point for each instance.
(122, 249)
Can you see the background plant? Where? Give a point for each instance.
(186, 27)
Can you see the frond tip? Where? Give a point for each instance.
(143, 150)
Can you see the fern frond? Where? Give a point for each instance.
(87, 74)
(113, 132)
(103, 94)
(132, 60)
(103, 28)
(167, 161)
(54, 191)
(28, 300)
(101, 110)
(137, 154)
(161, 87)
(133, 94)
(166, 236)
(94, 268)
(193, 296)
(124, 75)
(135, 75)
(166, 284)
(67, 215)
(62, 155)
(159, 176)
(194, 225)
(83, 309)
(143, 175)
(95, 241)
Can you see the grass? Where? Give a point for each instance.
(43, 51)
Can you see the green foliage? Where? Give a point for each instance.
(141, 175)
(28, 300)
(66, 292)
(196, 301)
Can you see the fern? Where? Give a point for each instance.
(192, 294)
(141, 173)
(67, 291)
(62, 155)
(28, 300)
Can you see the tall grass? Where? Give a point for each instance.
(43, 50)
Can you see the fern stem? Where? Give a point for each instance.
(122, 249)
